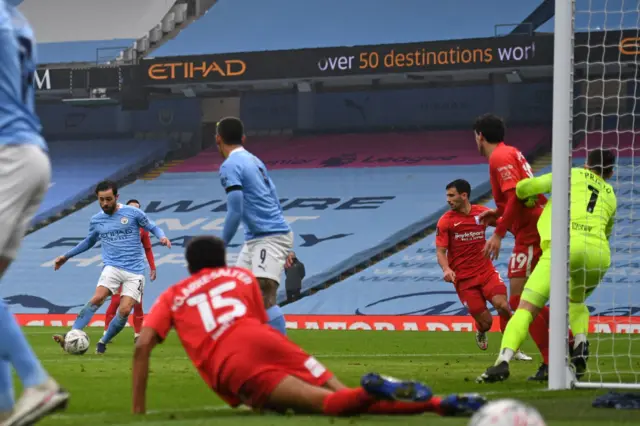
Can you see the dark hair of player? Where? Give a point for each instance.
(601, 162)
(106, 185)
(491, 127)
(205, 252)
(133, 200)
(230, 130)
(461, 185)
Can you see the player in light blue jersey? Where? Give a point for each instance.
(117, 227)
(252, 200)
(25, 173)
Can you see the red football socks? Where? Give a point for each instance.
(504, 319)
(111, 310)
(347, 402)
(405, 408)
(138, 317)
(539, 329)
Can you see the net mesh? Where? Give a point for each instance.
(607, 45)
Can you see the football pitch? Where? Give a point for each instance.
(100, 386)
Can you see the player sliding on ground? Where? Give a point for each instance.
(219, 317)
(117, 227)
(507, 166)
(138, 312)
(252, 200)
(460, 239)
(593, 209)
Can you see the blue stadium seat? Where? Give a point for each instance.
(410, 282)
(340, 217)
(79, 165)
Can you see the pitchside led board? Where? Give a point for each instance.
(448, 55)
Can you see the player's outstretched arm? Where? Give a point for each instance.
(527, 188)
(148, 252)
(147, 340)
(235, 200)
(83, 246)
(147, 224)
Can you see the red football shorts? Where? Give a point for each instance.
(252, 360)
(475, 292)
(524, 259)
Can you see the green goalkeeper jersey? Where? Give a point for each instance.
(593, 206)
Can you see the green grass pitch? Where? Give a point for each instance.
(100, 386)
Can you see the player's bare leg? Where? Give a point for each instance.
(82, 320)
(269, 289)
(118, 323)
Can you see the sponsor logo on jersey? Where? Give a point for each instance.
(469, 236)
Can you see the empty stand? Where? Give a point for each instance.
(79, 165)
(342, 214)
(367, 150)
(410, 281)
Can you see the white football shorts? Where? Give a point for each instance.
(266, 256)
(25, 173)
(132, 284)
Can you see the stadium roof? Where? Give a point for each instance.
(82, 20)
(258, 25)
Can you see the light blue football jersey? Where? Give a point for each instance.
(119, 235)
(19, 123)
(261, 211)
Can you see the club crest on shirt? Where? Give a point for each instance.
(124, 221)
(477, 218)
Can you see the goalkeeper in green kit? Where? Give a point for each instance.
(593, 209)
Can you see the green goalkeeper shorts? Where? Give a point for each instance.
(587, 268)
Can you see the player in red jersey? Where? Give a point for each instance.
(138, 312)
(460, 240)
(219, 317)
(507, 166)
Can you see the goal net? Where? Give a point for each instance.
(601, 112)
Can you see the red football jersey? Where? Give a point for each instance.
(507, 167)
(463, 235)
(205, 308)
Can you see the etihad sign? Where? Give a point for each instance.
(196, 70)
(630, 46)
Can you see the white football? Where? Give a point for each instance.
(76, 342)
(507, 412)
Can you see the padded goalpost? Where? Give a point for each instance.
(593, 107)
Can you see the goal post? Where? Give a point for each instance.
(595, 94)
(559, 376)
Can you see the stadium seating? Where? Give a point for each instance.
(79, 165)
(341, 214)
(367, 150)
(410, 282)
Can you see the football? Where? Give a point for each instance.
(507, 412)
(76, 342)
